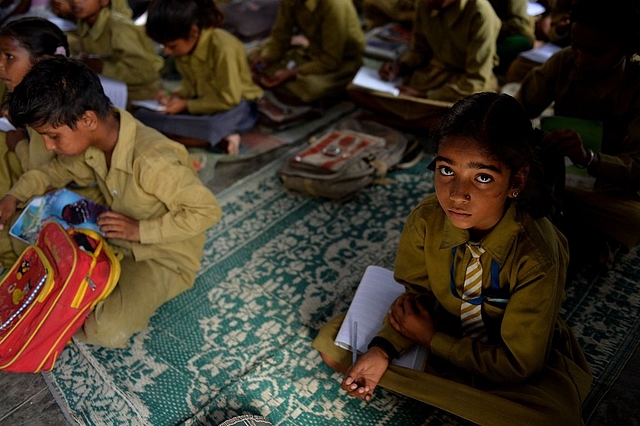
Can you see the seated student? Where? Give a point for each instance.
(484, 273)
(216, 100)
(159, 208)
(596, 79)
(452, 55)
(23, 43)
(516, 33)
(112, 45)
(326, 66)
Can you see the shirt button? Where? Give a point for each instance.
(114, 192)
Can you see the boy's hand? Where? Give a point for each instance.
(567, 142)
(175, 105)
(411, 319)
(363, 376)
(410, 91)
(277, 78)
(117, 225)
(8, 206)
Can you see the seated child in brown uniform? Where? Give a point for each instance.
(112, 45)
(484, 273)
(323, 68)
(452, 55)
(159, 208)
(597, 78)
(215, 102)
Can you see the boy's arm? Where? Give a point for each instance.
(335, 32)
(281, 32)
(55, 174)
(222, 91)
(479, 63)
(192, 208)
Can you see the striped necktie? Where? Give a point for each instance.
(470, 314)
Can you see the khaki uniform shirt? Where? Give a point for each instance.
(132, 56)
(216, 74)
(150, 179)
(514, 17)
(532, 258)
(331, 26)
(615, 101)
(456, 48)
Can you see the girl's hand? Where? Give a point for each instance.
(61, 8)
(277, 78)
(117, 225)
(567, 142)
(363, 376)
(8, 206)
(175, 105)
(411, 319)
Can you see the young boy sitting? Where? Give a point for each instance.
(159, 208)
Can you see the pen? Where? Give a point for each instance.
(354, 343)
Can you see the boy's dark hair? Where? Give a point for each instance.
(501, 126)
(169, 20)
(56, 92)
(38, 36)
(617, 21)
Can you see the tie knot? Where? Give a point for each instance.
(476, 250)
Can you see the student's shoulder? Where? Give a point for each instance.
(540, 236)
(221, 37)
(427, 210)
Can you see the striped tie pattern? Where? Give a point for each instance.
(471, 315)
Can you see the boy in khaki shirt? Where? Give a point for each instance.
(159, 208)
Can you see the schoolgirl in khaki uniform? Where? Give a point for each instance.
(521, 364)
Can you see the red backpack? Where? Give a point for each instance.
(47, 295)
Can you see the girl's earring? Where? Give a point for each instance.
(515, 193)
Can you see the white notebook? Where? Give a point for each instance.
(370, 79)
(374, 296)
(151, 104)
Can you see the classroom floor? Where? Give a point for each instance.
(25, 399)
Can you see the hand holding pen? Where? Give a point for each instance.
(362, 377)
(173, 102)
(389, 71)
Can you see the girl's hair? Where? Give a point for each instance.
(617, 22)
(39, 36)
(169, 20)
(501, 127)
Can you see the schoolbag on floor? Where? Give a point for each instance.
(343, 161)
(48, 293)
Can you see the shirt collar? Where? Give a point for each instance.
(202, 48)
(98, 28)
(497, 242)
(122, 157)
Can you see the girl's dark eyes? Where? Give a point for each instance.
(484, 178)
(445, 171)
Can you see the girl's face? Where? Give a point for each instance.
(182, 46)
(87, 10)
(15, 62)
(471, 187)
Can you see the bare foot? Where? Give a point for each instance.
(233, 144)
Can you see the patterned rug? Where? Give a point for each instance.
(275, 269)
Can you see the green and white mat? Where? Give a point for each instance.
(274, 270)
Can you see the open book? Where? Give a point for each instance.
(71, 210)
(374, 296)
(151, 104)
(370, 79)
